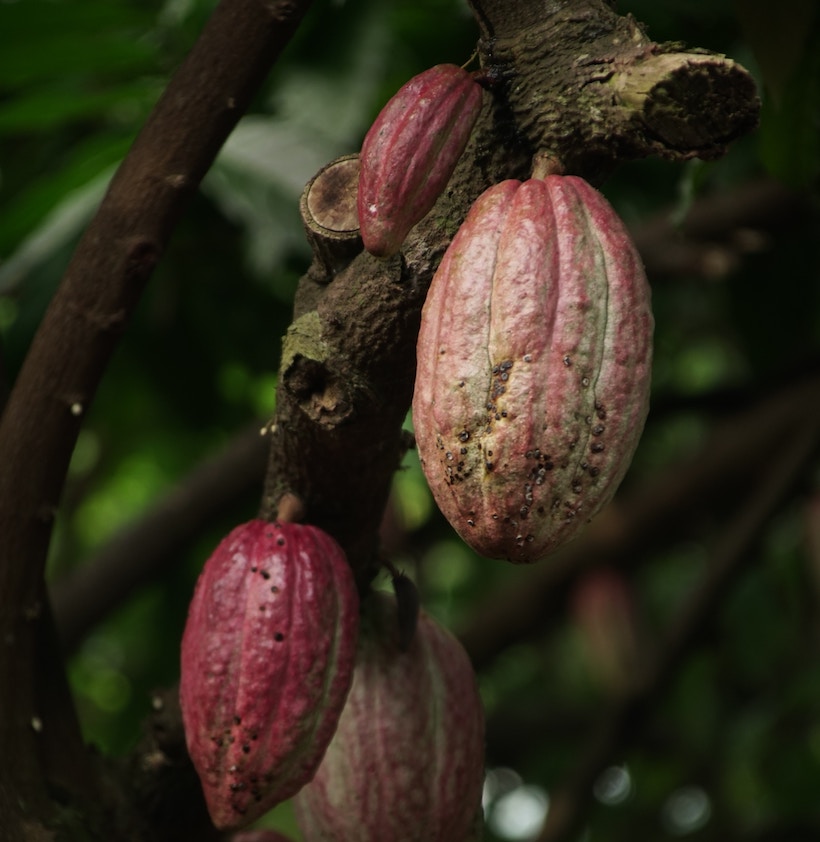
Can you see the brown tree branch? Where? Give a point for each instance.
(348, 362)
(719, 231)
(735, 545)
(70, 351)
(138, 553)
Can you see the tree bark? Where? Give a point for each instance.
(90, 310)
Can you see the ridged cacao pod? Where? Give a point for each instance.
(407, 761)
(410, 152)
(267, 661)
(534, 357)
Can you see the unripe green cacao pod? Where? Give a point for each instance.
(266, 664)
(410, 152)
(407, 761)
(533, 372)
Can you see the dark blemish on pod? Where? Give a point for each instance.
(254, 568)
(527, 358)
(463, 451)
(576, 486)
(279, 637)
(585, 381)
(470, 522)
(265, 575)
(237, 720)
(246, 748)
(489, 465)
(600, 411)
(593, 472)
(464, 436)
(274, 589)
(280, 541)
(598, 429)
(567, 361)
(596, 447)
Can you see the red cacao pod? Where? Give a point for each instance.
(534, 358)
(410, 152)
(407, 761)
(266, 664)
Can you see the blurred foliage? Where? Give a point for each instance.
(735, 744)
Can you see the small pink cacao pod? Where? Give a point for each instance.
(410, 152)
(266, 664)
(534, 357)
(407, 761)
(606, 615)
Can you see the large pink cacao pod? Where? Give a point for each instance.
(410, 152)
(407, 761)
(266, 665)
(534, 360)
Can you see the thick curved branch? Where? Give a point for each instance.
(89, 311)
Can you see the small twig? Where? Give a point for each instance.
(626, 716)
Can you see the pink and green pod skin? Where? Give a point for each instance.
(266, 664)
(407, 761)
(534, 363)
(410, 152)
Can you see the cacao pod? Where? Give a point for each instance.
(410, 152)
(534, 357)
(266, 664)
(407, 761)
(606, 616)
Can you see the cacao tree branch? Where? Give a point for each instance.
(734, 547)
(646, 98)
(139, 553)
(719, 231)
(348, 360)
(87, 315)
